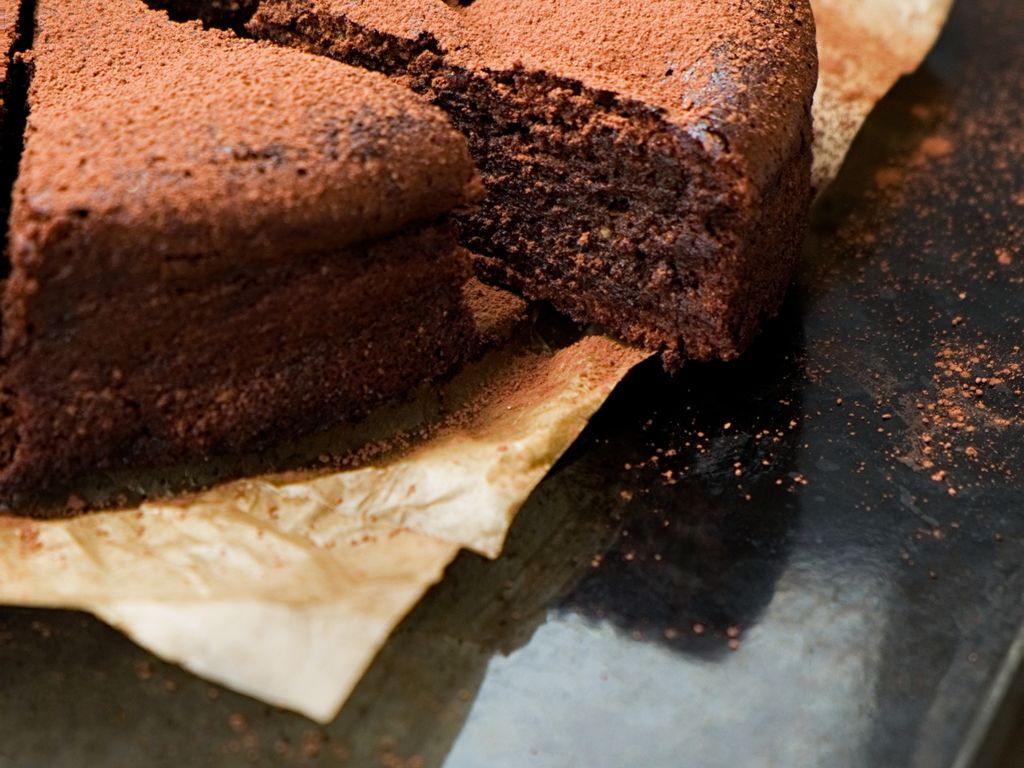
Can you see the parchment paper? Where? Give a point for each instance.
(285, 586)
(864, 46)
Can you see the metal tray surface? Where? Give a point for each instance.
(809, 557)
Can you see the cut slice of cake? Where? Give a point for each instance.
(216, 243)
(9, 14)
(647, 164)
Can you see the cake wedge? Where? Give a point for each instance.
(216, 244)
(647, 164)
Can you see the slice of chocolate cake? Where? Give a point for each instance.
(647, 163)
(216, 243)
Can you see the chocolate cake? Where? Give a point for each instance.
(216, 243)
(647, 164)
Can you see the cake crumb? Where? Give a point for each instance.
(144, 670)
(312, 743)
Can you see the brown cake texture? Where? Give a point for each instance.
(9, 11)
(216, 243)
(647, 164)
(10, 72)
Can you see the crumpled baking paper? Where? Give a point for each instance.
(864, 47)
(285, 586)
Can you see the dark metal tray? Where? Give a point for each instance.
(812, 556)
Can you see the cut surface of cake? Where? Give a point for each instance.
(647, 164)
(215, 244)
